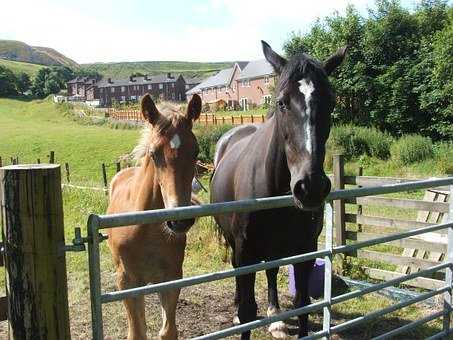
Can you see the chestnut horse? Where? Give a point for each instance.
(155, 252)
(284, 154)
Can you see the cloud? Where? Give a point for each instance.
(88, 34)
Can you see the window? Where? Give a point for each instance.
(161, 86)
(123, 88)
(244, 104)
(101, 90)
(133, 97)
(187, 86)
(112, 89)
(245, 83)
(172, 85)
(123, 98)
(266, 79)
(173, 96)
(149, 87)
(267, 99)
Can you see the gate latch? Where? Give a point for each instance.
(78, 242)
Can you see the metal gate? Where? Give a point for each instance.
(98, 222)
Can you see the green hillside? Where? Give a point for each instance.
(18, 67)
(20, 51)
(124, 69)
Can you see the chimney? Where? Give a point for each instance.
(146, 77)
(109, 80)
(169, 75)
(131, 79)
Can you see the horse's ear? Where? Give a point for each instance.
(194, 107)
(149, 109)
(335, 60)
(277, 62)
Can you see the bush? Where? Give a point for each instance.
(207, 139)
(412, 148)
(355, 141)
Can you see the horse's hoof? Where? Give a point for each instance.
(236, 320)
(278, 330)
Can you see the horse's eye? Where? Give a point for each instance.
(281, 105)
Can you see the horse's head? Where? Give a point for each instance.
(304, 102)
(173, 149)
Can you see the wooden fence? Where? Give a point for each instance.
(409, 255)
(205, 118)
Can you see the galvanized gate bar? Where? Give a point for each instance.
(185, 282)
(410, 326)
(448, 297)
(357, 321)
(97, 222)
(194, 280)
(180, 213)
(328, 270)
(263, 322)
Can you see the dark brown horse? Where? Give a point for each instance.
(284, 154)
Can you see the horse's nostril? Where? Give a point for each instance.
(299, 190)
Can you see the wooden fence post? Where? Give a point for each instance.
(1, 162)
(104, 175)
(262, 118)
(339, 208)
(66, 165)
(35, 263)
(359, 206)
(52, 157)
(38, 161)
(118, 166)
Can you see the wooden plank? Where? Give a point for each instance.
(374, 181)
(395, 259)
(386, 222)
(403, 243)
(339, 207)
(3, 308)
(419, 282)
(400, 203)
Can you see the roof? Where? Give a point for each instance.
(157, 79)
(192, 80)
(242, 64)
(221, 78)
(256, 69)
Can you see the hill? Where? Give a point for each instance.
(124, 69)
(19, 51)
(18, 67)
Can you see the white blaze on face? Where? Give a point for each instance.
(175, 142)
(306, 88)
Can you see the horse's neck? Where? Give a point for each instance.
(275, 161)
(146, 189)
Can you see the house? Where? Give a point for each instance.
(107, 91)
(255, 84)
(245, 84)
(78, 86)
(220, 87)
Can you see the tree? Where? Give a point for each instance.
(398, 74)
(7, 82)
(23, 82)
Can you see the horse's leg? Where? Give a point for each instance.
(301, 277)
(169, 300)
(247, 308)
(135, 307)
(277, 329)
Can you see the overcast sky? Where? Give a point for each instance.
(139, 30)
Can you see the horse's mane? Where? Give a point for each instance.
(171, 115)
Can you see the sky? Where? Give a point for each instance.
(142, 30)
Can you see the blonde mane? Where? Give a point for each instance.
(171, 114)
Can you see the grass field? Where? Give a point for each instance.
(18, 67)
(31, 129)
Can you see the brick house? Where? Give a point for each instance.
(107, 91)
(78, 87)
(221, 87)
(255, 84)
(243, 85)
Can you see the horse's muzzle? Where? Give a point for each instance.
(310, 194)
(181, 226)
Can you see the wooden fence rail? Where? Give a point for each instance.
(205, 118)
(355, 225)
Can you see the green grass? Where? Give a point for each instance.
(18, 67)
(30, 129)
(125, 69)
